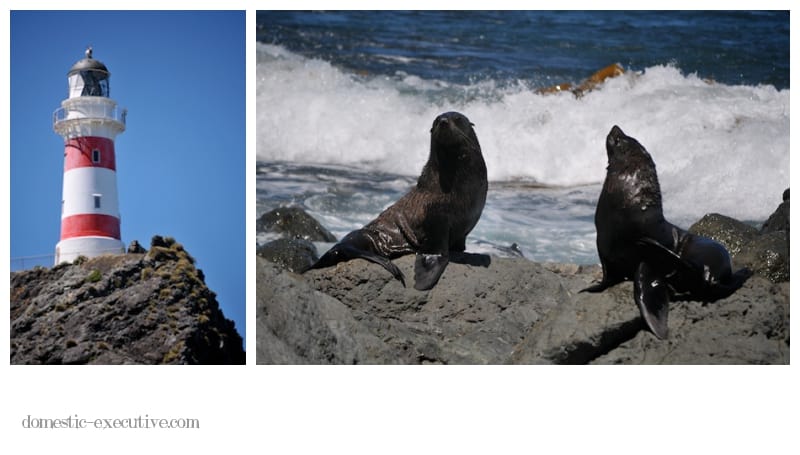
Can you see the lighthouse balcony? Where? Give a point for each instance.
(91, 112)
(87, 115)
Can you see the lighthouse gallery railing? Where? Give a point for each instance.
(97, 111)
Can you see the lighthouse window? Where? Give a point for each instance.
(95, 156)
(97, 201)
(95, 83)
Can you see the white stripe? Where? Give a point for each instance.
(68, 250)
(82, 184)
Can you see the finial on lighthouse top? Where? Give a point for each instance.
(88, 77)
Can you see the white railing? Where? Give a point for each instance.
(94, 111)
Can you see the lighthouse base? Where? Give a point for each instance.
(69, 249)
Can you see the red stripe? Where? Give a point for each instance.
(89, 225)
(78, 153)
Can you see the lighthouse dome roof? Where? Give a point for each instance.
(89, 64)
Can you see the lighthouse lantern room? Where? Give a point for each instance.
(89, 121)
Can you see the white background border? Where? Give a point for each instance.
(372, 409)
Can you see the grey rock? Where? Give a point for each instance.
(136, 248)
(764, 252)
(731, 233)
(582, 328)
(297, 324)
(295, 255)
(779, 220)
(294, 223)
(768, 256)
(501, 311)
(752, 327)
(120, 309)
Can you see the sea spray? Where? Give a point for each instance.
(718, 148)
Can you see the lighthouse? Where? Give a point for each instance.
(89, 121)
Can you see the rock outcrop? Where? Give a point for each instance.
(294, 223)
(509, 311)
(588, 84)
(294, 255)
(136, 308)
(491, 310)
(765, 251)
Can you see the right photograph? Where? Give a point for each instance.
(522, 187)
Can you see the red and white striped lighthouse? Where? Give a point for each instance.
(89, 121)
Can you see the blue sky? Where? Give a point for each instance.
(181, 161)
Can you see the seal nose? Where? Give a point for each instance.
(614, 136)
(440, 122)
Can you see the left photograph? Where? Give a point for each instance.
(127, 192)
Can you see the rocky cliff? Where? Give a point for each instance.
(138, 308)
(492, 310)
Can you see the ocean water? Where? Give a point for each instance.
(345, 102)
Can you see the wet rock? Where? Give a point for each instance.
(294, 223)
(295, 255)
(779, 220)
(765, 251)
(768, 256)
(588, 84)
(731, 233)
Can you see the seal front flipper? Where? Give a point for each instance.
(345, 251)
(428, 268)
(651, 294)
(380, 260)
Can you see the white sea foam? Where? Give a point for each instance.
(718, 148)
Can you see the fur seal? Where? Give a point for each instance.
(432, 219)
(635, 242)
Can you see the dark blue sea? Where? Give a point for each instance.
(345, 101)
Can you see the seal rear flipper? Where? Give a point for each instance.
(738, 278)
(428, 268)
(651, 294)
(724, 289)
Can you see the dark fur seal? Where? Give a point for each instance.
(635, 242)
(435, 217)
